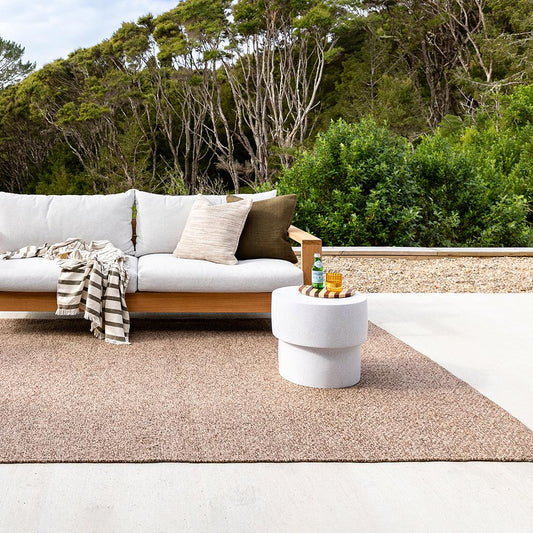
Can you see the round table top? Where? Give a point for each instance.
(293, 295)
(318, 322)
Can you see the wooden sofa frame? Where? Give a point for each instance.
(179, 302)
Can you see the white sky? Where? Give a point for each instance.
(50, 29)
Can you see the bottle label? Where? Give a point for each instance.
(317, 277)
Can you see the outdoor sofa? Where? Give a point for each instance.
(158, 281)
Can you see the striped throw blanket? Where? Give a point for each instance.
(93, 281)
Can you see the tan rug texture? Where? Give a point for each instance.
(209, 391)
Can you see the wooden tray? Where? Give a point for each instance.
(308, 290)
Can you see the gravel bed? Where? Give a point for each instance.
(447, 274)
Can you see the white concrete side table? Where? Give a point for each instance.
(319, 339)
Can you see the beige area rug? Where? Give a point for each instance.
(209, 391)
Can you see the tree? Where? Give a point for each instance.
(184, 91)
(12, 68)
(25, 138)
(461, 52)
(219, 92)
(365, 80)
(94, 99)
(274, 65)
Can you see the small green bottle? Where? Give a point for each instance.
(317, 273)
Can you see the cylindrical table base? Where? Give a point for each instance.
(320, 367)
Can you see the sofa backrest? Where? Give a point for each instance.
(27, 219)
(162, 218)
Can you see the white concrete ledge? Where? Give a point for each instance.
(414, 252)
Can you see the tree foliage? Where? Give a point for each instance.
(354, 186)
(220, 94)
(362, 185)
(12, 68)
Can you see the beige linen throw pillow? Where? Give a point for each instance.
(212, 232)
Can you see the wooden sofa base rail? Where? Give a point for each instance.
(154, 302)
(179, 302)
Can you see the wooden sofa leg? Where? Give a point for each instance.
(310, 246)
(308, 252)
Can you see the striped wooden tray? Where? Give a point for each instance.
(308, 290)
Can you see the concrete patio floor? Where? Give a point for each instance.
(485, 339)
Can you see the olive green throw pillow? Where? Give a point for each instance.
(265, 231)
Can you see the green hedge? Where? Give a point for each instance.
(355, 187)
(361, 185)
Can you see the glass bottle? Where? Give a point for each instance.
(317, 273)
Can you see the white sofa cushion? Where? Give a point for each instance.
(37, 219)
(161, 219)
(212, 232)
(36, 274)
(166, 273)
(257, 196)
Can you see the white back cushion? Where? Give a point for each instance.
(259, 195)
(37, 219)
(161, 219)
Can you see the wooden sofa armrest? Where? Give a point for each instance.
(310, 246)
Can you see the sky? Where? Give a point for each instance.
(50, 29)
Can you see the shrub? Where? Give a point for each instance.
(354, 187)
(361, 185)
(500, 147)
(452, 197)
(506, 223)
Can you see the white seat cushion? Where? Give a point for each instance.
(36, 274)
(166, 273)
(161, 219)
(37, 219)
